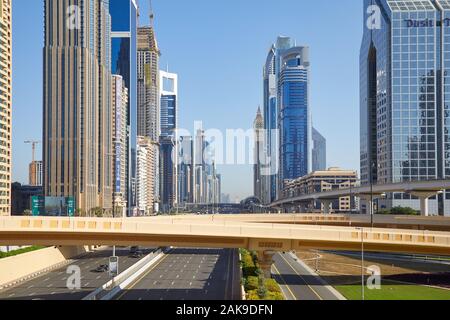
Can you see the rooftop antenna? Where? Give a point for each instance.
(152, 16)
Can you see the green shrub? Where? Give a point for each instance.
(251, 284)
(253, 295)
(20, 251)
(404, 211)
(272, 286)
(276, 296)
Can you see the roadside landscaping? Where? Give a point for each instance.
(402, 278)
(20, 251)
(257, 287)
(391, 290)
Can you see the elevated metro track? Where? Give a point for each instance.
(218, 232)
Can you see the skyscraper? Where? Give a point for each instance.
(319, 153)
(169, 155)
(258, 127)
(405, 97)
(148, 116)
(77, 103)
(294, 114)
(185, 171)
(146, 164)
(124, 23)
(287, 119)
(120, 140)
(5, 106)
(148, 84)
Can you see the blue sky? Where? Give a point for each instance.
(218, 49)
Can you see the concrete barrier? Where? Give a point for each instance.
(113, 287)
(16, 269)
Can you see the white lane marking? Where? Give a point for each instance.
(49, 286)
(46, 279)
(30, 287)
(11, 295)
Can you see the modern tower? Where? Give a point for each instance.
(287, 121)
(405, 97)
(258, 127)
(120, 141)
(294, 120)
(169, 155)
(148, 115)
(124, 23)
(5, 106)
(35, 174)
(77, 134)
(319, 153)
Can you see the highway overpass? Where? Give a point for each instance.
(424, 190)
(188, 231)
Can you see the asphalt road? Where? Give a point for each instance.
(53, 285)
(297, 282)
(190, 274)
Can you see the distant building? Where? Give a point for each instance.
(258, 151)
(146, 166)
(168, 83)
(120, 141)
(322, 181)
(35, 174)
(319, 153)
(185, 171)
(21, 197)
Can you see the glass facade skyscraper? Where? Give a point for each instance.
(319, 153)
(287, 120)
(124, 22)
(405, 96)
(294, 114)
(169, 155)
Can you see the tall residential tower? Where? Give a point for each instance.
(77, 125)
(5, 106)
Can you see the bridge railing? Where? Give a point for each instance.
(225, 229)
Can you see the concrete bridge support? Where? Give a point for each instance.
(265, 260)
(327, 206)
(424, 201)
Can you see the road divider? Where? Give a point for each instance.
(113, 287)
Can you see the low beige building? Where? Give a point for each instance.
(322, 181)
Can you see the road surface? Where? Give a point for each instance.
(52, 285)
(297, 283)
(190, 274)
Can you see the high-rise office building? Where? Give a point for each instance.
(5, 106)
(185, 171)
(146, 167)
(199, 164)
(319, 152)
(405, 97)
(294, 114)
(35, 174)
(287, 118)
(169, 155)
(77, 103)
(120, 141)
(124, 23)
(258, 151)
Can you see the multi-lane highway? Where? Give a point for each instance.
(190, 274)
(53, 285)
(299, 283)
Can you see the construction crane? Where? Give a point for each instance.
(33, 144)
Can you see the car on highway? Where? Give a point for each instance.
(137, 254)
(102, 268)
